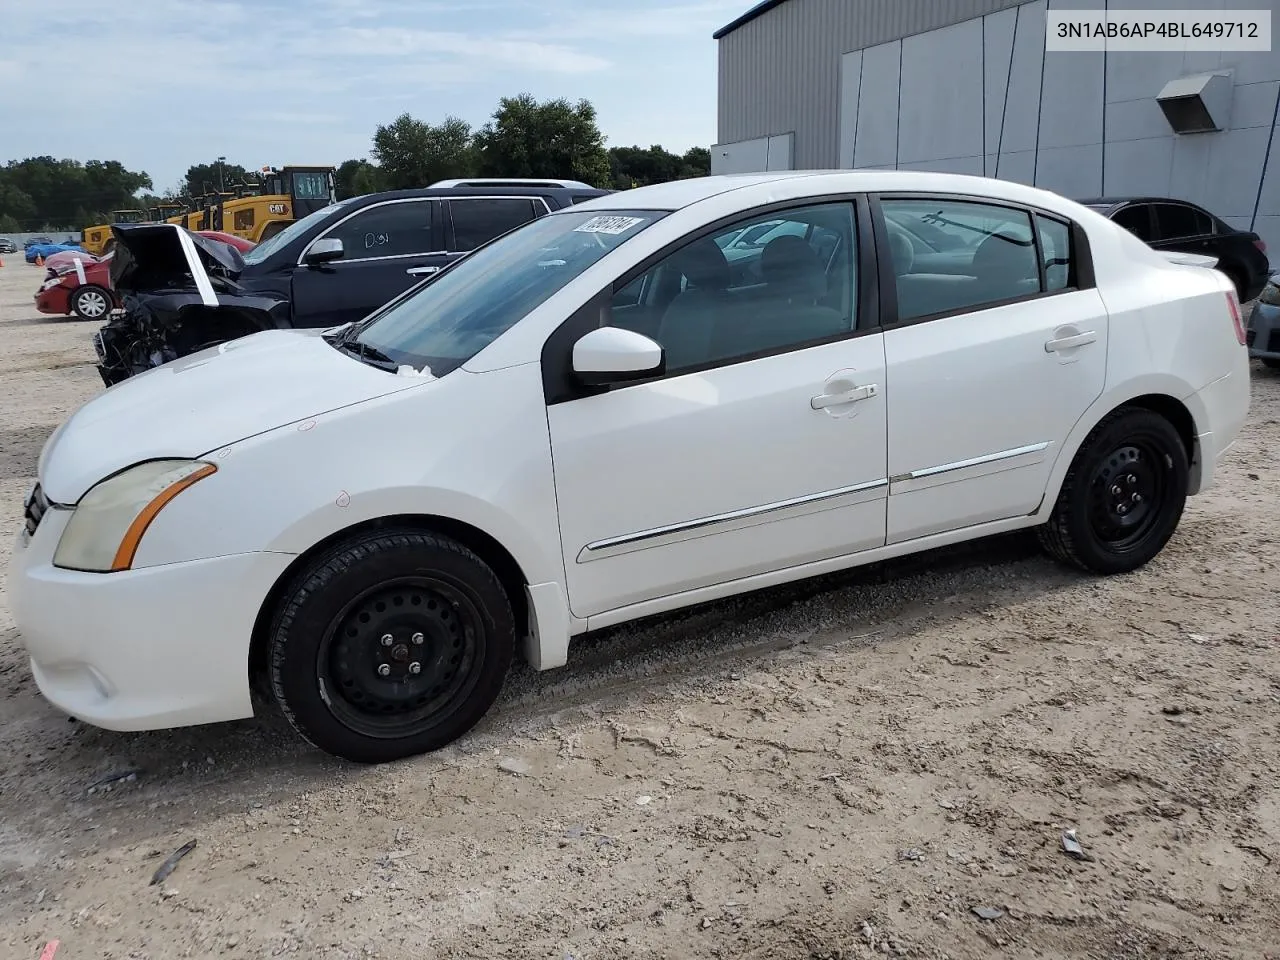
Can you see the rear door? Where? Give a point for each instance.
(388, 247)
(471, 222)
(987, 371)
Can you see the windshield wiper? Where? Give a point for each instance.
(366, 354)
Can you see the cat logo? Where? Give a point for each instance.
(277, 208)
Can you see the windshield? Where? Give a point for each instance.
(290, 233)
(311, 186)
(475, 300)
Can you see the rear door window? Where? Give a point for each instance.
(1177, 221)
(478, 220)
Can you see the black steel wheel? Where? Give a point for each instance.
(391, 645)
(1123, 495)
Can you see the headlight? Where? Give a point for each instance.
(108, 523)
(1271, 293)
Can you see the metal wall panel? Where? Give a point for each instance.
(781, 72)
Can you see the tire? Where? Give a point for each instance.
(345, 691)
(91, 303)
(1271, 363)
(1095, 528)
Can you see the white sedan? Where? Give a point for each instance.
(600, 416)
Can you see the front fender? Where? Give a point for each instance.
(472, 449)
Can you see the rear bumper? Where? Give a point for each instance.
(1225, 402)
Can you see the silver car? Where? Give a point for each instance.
(1263, 334)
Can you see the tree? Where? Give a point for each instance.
(43, 192)
(636, 166)
(203, 178)
(354, 178)
(412, 153)
(558, 139)
(8, 224)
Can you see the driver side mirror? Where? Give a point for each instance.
(325, 250)
(609, 355)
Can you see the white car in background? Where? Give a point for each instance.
(599, 417)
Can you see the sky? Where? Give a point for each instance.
(162, 84)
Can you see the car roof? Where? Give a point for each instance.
(512, 191)
(1116, 201)
(677, 194)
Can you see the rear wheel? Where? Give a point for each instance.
(393, 644)
(1123, 496)
(91, 303)
(1271, 363)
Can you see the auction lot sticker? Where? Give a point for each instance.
(610, 225)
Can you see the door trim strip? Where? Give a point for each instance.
(971, 462)
(611, 546)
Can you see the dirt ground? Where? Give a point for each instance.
(839, 769)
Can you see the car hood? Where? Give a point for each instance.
(199, 403)
(165, 256)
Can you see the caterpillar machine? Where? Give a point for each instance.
(264, 204)
(97, 240)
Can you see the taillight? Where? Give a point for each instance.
(1261, 245)
(1234, 306)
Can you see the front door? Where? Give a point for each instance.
(989, 371)
(388, 247)
(762, 447)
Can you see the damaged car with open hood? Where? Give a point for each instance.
(334, 266)
(179, 294)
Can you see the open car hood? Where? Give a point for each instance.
(151, 257)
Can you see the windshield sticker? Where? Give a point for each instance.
(609, 225)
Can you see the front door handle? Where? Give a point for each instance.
(1068, 343)
(421, 271)
(824, 400)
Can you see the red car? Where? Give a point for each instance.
(86, 291)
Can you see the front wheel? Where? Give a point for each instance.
(1123, 495)
(90, 302)
(391, 645)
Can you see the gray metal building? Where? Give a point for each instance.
(965, 86)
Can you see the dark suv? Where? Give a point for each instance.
(333, 266)
(1186, 228)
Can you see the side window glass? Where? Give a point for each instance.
(1136, 220)
(478, 220)
(992, 256)
(387, 230)
(1176, 222)
(719, 298)
(1055, 245)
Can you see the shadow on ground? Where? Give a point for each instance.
(179, 770)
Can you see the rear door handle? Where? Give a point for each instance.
(1067, 343)
(421, 271)
(824, 400)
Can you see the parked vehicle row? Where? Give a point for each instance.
(335, 265)
(619, 408)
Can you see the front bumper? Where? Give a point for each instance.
(1262, 333)
(55, 300)
(164, 646)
